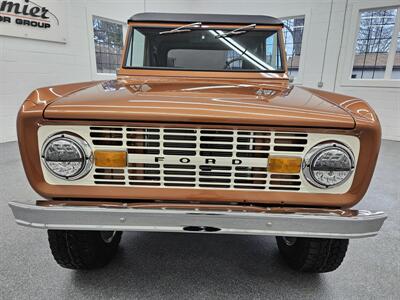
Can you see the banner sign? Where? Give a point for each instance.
(38, 19)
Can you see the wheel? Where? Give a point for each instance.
(83, 250)
(311, 254)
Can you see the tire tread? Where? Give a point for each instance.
(81, 250)
(314, 255)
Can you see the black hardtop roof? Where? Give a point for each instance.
(205, 18)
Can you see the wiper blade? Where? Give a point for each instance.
(184, 28)
(237, 31)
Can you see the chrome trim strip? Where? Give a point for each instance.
(319, 225)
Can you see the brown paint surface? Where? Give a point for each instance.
(200, 101)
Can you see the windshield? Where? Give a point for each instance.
(245, 49)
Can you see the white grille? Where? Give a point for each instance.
(144, 144)
(198, 158)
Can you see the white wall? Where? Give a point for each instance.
(385, 100)
(28, 64)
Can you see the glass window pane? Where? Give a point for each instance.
(108, 42)
(293, 34)
(373, 43)
(205, 49)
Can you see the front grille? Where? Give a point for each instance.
(198, 158)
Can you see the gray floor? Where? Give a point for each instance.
(193, 266)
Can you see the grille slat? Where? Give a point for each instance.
(198, 158)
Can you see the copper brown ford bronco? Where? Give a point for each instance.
(200, 132)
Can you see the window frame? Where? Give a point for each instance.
(298, 80)
(346, 61)
(92, 49)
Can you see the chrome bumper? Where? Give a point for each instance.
(319, 224)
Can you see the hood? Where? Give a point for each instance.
(200, 101)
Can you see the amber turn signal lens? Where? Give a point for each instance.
(112, 159)
(278, 164)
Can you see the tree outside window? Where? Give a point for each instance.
(293, 35)
(373, 58)
(108, 40)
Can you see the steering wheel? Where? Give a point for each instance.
(229, 62)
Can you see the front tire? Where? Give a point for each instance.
(312, 255)
(83, 250)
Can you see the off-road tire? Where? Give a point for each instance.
(82, 250)
(313, 255)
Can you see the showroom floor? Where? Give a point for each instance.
(197, 266)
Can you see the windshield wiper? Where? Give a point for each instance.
(237, 31)
(184, 28)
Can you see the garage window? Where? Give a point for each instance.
(108, 41)
(293, 34)
(377, 48)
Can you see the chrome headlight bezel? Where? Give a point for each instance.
(315, 152)
(80, 144)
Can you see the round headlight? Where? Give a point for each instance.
(329, 164)
(67, 156)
